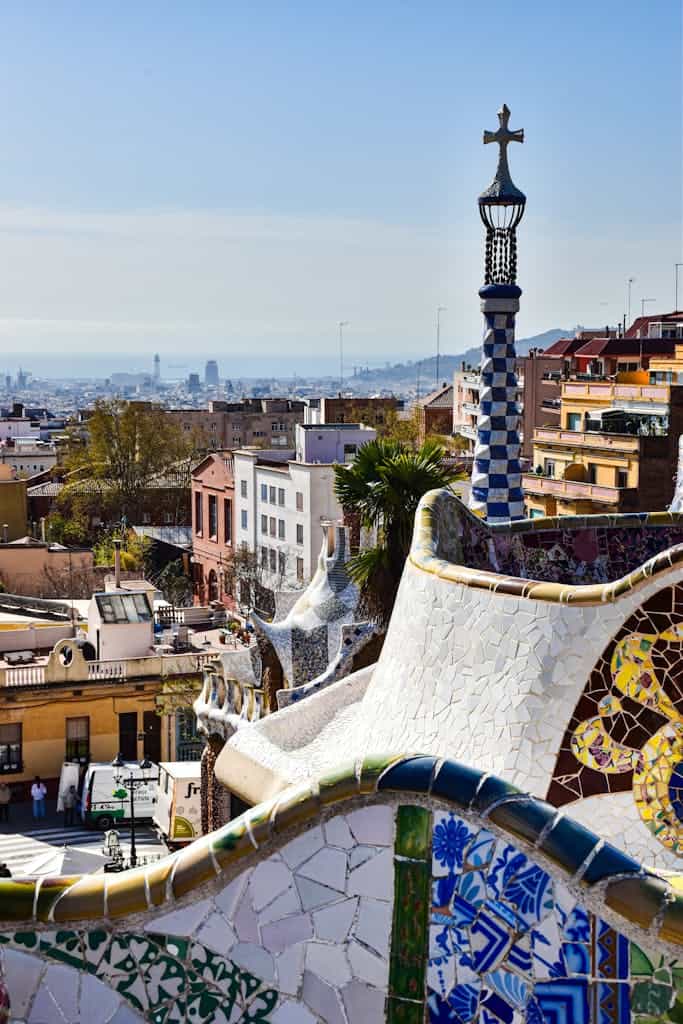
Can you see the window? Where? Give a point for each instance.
(123, 608)
(280, 495)
(272, 526)
(243, 518)
(264, 558)
(281, 564)
(273, 560)
(168, 518)
(350, 452)
(592, 472)
(549, 467)
(10, 748)
(146, 518)
(243, 488)
(227, 520)
(264, 524)
(574, 421)
(272, 495)
(299, 501)
(78, 739)
(281, 529)
(213, 517)
(299, 533)
(622, 478)
(198, 512)
(300, 569)
(264, 492)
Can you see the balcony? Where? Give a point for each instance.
(470, 408)
(465, 430)
(160, 666)
(573, 490)
(606, 391)
(581, 439)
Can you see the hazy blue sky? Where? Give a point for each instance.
(231, 179)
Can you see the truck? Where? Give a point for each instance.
(178, 811)
(106, 799)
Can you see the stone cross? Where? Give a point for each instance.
(503, 136)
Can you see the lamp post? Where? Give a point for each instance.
(341, 325)
(439, 311)
(131, 782)
(629, 282)
(676, 266)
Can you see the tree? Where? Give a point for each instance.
(402, 430)
(175, 584)
(383, 486)
(243, 574)
(129, 445)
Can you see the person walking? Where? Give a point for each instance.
(69, 800)
(38, 794)
(5, 797)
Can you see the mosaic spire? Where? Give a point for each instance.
(496, 476)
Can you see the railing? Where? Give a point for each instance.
(471, 408)
(575, 489)
(190, 751)
(162, 666)
(466, 431)
(24, 675)
(606, 391)
(582, 439)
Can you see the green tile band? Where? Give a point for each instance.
(409, 933)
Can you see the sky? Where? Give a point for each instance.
(230, 179)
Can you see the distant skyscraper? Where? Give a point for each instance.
(193, 382)
(211, 374)
(157, 368)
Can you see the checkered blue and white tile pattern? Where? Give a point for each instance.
(497, 494)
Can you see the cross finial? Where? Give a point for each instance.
(504, 135)
(502, 185)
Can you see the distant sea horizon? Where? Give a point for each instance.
(176, 367)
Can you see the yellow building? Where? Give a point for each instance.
(614, 451)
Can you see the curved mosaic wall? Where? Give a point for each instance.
(400, 891)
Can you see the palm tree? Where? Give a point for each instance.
(383, 486)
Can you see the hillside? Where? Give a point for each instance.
(406, 373)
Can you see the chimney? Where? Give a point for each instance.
(42, 528)
(117, 564)
(5, 533)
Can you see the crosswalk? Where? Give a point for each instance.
(19, 849)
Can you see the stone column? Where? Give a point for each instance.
(497, 494)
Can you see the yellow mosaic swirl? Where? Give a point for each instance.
(633, 675)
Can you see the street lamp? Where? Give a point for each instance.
(118, 764)
(676, 266)
(629, 282)
(341, 325)
(439, 311)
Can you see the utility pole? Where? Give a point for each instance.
(439, 311)
(341, 325)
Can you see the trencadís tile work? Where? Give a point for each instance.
(400, 890)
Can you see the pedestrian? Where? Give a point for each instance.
(5, 873)
(69, 802)
(5, 797)
(38, 794)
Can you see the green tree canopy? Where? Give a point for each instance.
(383, 486)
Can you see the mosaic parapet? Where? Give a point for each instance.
(608, 879)
(451, 543)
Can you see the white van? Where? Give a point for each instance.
(106, 801)
(178, 811)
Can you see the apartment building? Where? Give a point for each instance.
(372, 412)
(258, 422)
(285, 499)
(621, 415)
(27, 456)
(213, 493)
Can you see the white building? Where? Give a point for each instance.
(28, 456)
(285, 499)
